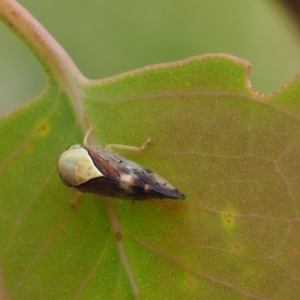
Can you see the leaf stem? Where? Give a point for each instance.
(57, 63)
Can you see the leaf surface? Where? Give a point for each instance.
(233, 152)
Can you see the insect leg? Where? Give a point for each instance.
(113, 146)
(76, 194)
(89, 131)
(87, 135)
(133, 148)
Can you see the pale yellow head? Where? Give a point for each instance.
(76, 167)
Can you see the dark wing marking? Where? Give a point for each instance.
(126, 179)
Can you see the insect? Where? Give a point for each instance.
(94, 170)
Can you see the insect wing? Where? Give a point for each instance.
(126, 179)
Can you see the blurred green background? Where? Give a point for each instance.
(105, 38)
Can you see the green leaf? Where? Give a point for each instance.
(233, 152)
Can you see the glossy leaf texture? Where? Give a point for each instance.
(234, 153)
